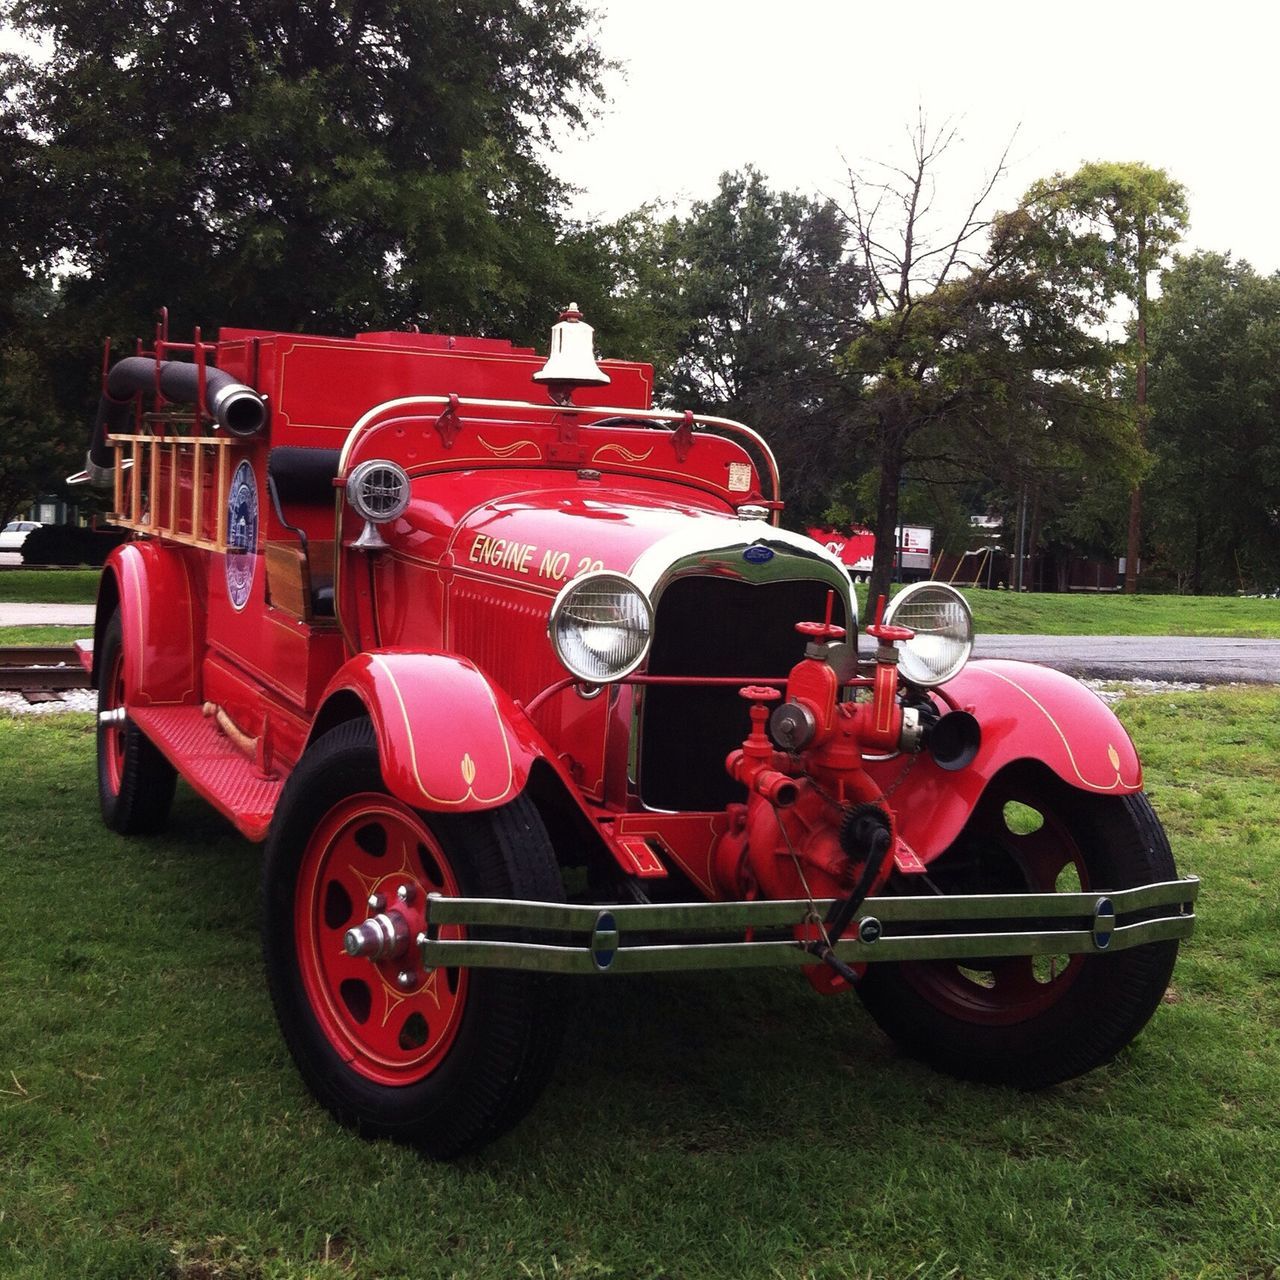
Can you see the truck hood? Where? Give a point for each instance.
(542, 540)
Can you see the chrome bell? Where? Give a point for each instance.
(572, 362)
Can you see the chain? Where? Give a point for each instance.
(813, 917)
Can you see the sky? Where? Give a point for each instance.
(806, 89)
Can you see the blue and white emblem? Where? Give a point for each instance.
(242, 534)
(757, 554)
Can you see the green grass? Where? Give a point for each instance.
(45, 635)
(151, 1124)
(1081, 615)
(49, 586)
(1075, 614)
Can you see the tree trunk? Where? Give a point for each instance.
(1135, 498)
(882, 563)
(1033, 543)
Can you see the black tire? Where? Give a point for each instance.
(135, 781)
(1027, 1022)
(464, 1056)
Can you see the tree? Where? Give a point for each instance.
(972, 345)
(1215, 424)
(33, 444)
(1121, 220)
(744, 304)
(287, 165)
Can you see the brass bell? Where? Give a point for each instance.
(572, 362)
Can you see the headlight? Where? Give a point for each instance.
(379, 490)
(940, 617)
(601, 624)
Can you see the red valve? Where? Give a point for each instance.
(887, 634)
(820, 630)
(824, 630)
(759, 693)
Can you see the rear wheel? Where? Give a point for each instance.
(447, 1058)
(135, 781)
(1032, 1021)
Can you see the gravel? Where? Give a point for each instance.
(1111, 691)
(71, 700)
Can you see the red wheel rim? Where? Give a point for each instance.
(113, 734)
(369, 845)
(1002, 990)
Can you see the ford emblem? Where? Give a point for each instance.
(758, 555)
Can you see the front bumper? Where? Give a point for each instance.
(648, 938)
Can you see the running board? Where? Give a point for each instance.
(213, 765)
(886, 929)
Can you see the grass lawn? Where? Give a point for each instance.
(151, 1124)
(1005, 612)
(49, 586)
(1075, 614)
(45, 635)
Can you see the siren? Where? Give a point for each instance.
(571, 362)
(954, 741)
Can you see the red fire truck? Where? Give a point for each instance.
(515, 687)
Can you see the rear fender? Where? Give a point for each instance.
(448, 740)
(1026, 712)
(152, 588)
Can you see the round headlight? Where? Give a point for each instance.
(378, 490)
(601, 624)
(940, 617)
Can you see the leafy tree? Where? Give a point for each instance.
(33, 444)
(1117, 222)
(287, 164)
(1215, 428)
(745, 304)
(973, 345)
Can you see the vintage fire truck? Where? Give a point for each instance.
(514, 687)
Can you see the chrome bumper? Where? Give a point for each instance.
(629, 938)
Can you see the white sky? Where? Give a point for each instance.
(792, 86)
(795, 85)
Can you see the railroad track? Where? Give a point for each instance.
(41, 668)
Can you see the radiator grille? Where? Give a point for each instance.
(714, 627)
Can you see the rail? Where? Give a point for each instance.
(24, 668)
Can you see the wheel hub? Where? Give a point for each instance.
(361, 899)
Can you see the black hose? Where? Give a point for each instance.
(235, 407)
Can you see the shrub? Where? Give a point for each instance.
(67, 544)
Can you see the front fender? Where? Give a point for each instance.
(1026, 712)
(448, 740)
(150, 585)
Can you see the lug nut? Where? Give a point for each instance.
(377, 903)
(406, 981)
(406, 893)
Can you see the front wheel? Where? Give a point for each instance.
(1032, 1021)
(446, 1059)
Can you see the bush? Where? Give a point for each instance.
(67, 544)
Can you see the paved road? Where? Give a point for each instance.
(1208, 659)
(42, 615)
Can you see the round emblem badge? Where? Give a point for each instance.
(242, 534)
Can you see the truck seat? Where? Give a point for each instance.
(300, 575)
